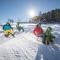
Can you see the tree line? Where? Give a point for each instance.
(48, 17)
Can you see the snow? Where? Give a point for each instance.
(19, 48)
(26, 46)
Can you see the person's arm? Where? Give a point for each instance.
(3, 27)
(11, 27)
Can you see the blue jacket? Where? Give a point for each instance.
(7, 27)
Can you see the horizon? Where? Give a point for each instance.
(18, 9)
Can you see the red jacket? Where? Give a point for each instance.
(37, 31)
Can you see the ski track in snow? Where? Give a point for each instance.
(24, 46)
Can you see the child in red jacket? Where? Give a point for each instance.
(38, 31)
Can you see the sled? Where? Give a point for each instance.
(8, 33)
(48, 40)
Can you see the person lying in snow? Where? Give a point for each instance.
(48, 36)
(8, 30)
(38, 31)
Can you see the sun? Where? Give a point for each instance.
(31, 13)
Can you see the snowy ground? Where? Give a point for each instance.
(25, 46)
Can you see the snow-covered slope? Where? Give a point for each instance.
(25, 46)
(50, 52)
(22, 47)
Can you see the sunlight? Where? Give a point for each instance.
(32, 13)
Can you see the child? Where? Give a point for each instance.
(48, 37)
(38, 31)
(19, 28)
(8, 30)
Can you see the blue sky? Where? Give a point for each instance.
(17, 9)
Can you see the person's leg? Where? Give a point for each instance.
(22, 29)
(11, 32)
(44, 38)
(6, 33)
